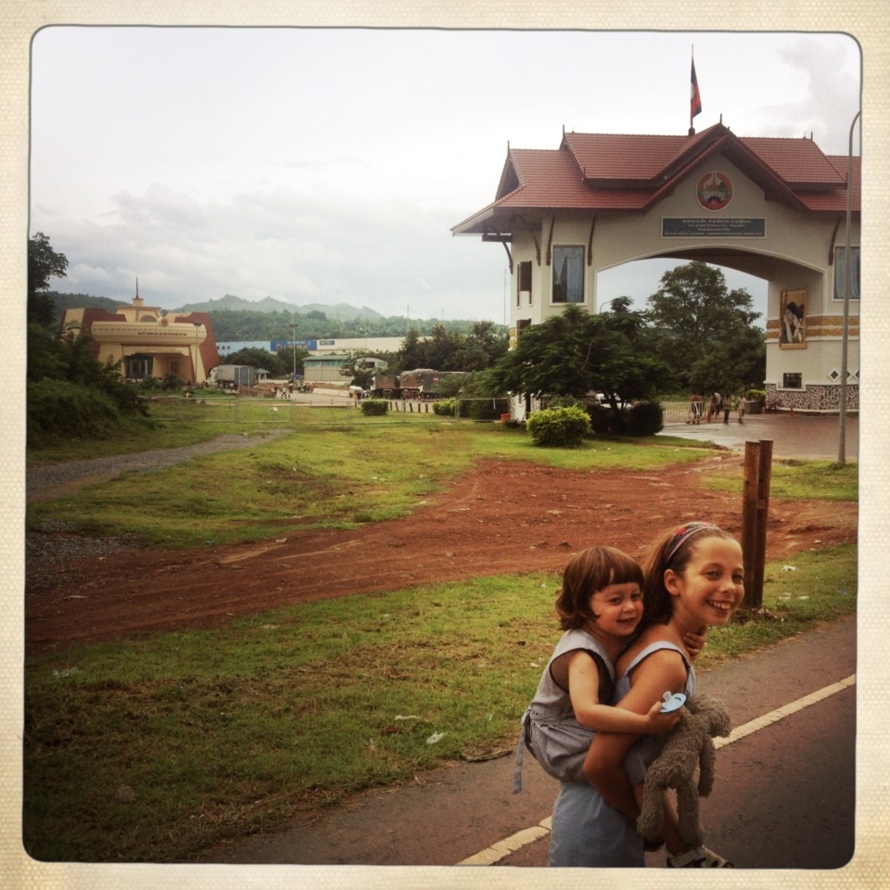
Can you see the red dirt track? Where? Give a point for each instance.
(500, 518)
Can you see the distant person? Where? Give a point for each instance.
(696, 407)
(714, 405)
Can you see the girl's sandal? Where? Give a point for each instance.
(698, 857)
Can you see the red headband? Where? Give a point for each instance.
(681, 535)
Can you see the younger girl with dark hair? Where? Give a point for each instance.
(600, 605)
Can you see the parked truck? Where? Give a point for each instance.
(422, 383)
(230, 376)
(385, 386)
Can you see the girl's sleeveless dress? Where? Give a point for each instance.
(588, 832)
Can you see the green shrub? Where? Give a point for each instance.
(59, 409)
(374, 407)
(444, 408)
(483, 409)
(558, 427)
(606, 422)
(645, 419)
(567, 402)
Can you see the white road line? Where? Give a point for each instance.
(509, 845)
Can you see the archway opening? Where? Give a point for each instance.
(639, 279)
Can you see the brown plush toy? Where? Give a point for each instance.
(688, 745)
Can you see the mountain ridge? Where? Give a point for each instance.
(227, 303)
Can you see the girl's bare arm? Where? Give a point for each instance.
(661, 672)
(592, 713)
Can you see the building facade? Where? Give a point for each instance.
(770, 207)
(147, 341)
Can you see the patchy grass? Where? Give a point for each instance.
(157, 750)
(336, 469)
(801, 480)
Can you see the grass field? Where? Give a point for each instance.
(156, 750)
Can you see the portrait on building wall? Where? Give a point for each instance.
(792, 320)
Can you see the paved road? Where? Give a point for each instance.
(807, 436)
(784, 796)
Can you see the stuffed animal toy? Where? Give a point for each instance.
(688, 745)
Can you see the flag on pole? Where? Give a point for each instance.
(695, 97)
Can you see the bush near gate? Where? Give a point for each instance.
(482, 409)
(640, 419)
(374, 407)
(558, 427)
(645, 419)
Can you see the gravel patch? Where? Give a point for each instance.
(53, 549)
(42, 481)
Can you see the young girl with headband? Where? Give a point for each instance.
(694, 579)
(600, 606)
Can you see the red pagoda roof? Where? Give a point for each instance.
(601, 171)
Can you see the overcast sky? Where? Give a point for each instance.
(329, 165)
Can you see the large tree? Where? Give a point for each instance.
(705, 332)
(450, 350)
(260, 358)
(43, 264)
(575, 353)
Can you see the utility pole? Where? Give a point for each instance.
(293, 346)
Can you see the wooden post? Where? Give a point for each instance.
(755, 512)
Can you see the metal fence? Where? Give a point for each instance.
(334, 409)
(677, 412)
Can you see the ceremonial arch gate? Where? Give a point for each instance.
(775, 208)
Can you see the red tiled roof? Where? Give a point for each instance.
(593, 171)
(799, 162)
(546, 179)
(625, 158)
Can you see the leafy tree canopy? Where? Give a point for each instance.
(450, 350)
(706, 332)
(43, 264)
(259, 358)
(575, 353)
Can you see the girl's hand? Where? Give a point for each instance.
(658, 722)
(695, 642)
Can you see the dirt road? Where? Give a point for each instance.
(502, 517)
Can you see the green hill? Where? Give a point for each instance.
(230, 303)
(234, 318)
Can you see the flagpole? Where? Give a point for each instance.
(694, 95)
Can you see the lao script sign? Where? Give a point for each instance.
(712, 227)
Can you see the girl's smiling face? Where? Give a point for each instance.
(618, 609)
(712, 586)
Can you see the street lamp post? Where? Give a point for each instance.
(293, 346)
(842, 432)
(197, 325)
